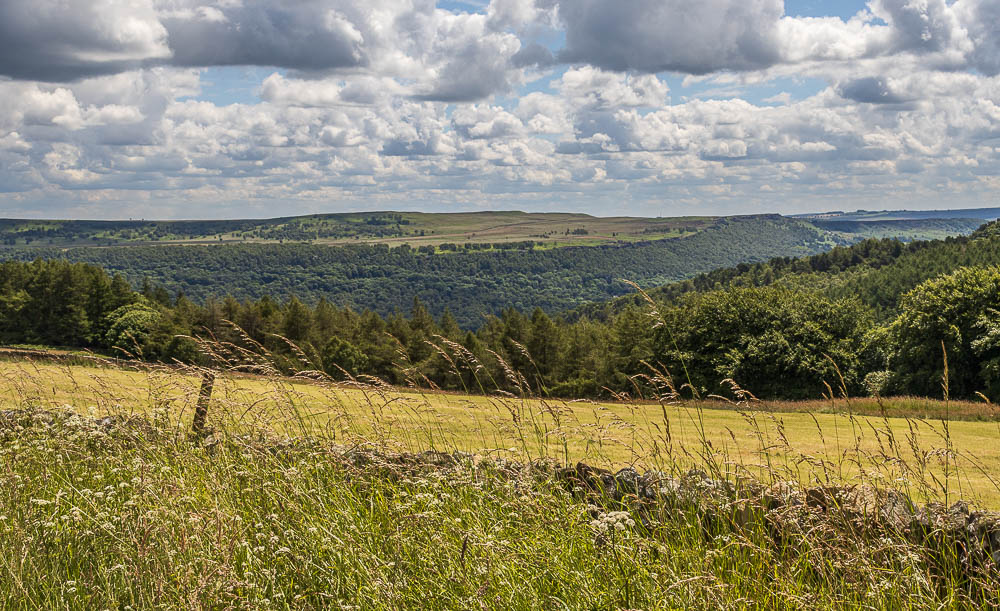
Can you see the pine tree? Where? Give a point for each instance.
(324, 322)
(296, 322)
(544, 345)
(449, 326)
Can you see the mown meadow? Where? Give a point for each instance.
(886, 441)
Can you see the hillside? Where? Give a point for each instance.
(469, 283)
(869, 318)
(849, 231)
(494, 260)
(451, 230)
(982, 214)
(876, 271)
(394, 228)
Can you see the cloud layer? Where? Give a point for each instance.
(641, 107)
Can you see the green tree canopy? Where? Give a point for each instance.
(129, 326)
(774, 342)
(957, 310)
(340, 355)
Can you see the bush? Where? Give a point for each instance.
(877, 383)
(340, 356)
(130, 325)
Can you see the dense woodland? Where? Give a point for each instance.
(876, 318)
(876, 271)
(471, 284)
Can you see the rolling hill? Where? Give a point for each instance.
(394, 228)
(481, 229)
(471, 283)
(876, 271)
(473, 264)
(982, 214)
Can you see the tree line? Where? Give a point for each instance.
(781, 339)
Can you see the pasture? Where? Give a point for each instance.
(417, 229)
(931, 449)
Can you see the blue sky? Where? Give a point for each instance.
(211, 109)
(823, 8)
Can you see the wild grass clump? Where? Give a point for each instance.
(128, 516)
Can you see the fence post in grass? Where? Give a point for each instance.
(201, 409)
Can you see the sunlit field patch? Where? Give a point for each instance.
(913, 447)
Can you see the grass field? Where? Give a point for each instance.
(417, 229)
(934, 450)
(552, 229)
(300, 499)
(549, 230)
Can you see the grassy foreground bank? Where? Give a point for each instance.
(304, 497)
(130, 517)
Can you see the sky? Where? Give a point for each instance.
(259, 108)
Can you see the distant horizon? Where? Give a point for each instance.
(499, 211)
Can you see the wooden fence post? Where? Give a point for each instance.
(201, 410)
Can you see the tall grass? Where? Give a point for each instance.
(302, 496)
